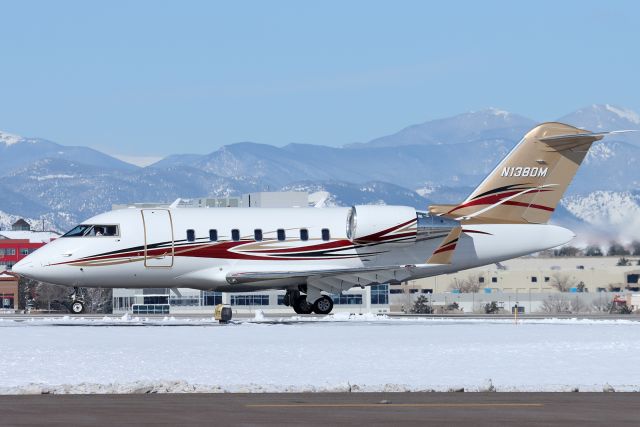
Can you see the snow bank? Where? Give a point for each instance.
(332, 353)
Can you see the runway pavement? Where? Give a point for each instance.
(323, 409)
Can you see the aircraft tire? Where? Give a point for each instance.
(77, 307)
(301, 306)
(323, 305)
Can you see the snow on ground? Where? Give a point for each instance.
(336, 353)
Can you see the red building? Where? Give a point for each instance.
(19, 242)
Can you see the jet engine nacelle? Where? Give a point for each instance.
(382, 224)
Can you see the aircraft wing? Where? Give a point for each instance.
(331, 280)
(259, 276)
(338, 279)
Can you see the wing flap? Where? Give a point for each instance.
(444, 253)
(348, 274)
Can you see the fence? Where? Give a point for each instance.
(530, 302)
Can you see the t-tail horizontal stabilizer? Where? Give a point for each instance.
(447, 248)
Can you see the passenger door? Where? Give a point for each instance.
(158, 238)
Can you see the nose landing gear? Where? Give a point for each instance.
(77, 305)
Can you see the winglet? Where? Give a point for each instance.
(445, 251)
(175, 204)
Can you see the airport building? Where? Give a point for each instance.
(371, 299)
(8, 292)
(526, 282)
(542, 274)
(16, 244)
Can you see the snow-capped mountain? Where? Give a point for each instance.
(81, 191)
(461, 161)
(17, 151)
(619, 212)
(486, 125)
(603, 118)
(405, 165)
(341, 193)
(439, 161)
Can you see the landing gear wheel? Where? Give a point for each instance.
(77, 307)
(323, 305)
(302, 306)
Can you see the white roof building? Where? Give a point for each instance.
(31, 236)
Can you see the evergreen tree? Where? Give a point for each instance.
(422, 306)
(593, 250)
(623, 262)
(616, 249)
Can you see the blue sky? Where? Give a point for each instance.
(154, 78)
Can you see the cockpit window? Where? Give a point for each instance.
(77, 231)
(97, 230)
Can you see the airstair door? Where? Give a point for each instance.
(158, 238)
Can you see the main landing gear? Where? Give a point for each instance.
(300, 305)
(76, 306)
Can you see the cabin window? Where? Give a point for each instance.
(534, 279)
(213, 235)
(326, 235)
(191, 235)
(282, 236)
(257, 235)
(494, 280)
(235, 234)
(304, 234)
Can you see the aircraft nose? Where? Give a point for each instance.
(23, 267)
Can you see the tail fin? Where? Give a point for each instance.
(527, 184)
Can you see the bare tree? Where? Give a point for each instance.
(26, 291)
(98, 300)
(48, 294)
(556, 303)
(602, 305)
(562, 282)
(577, 305)
(471, 284)
(568, 251)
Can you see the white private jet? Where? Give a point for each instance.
(315, 252)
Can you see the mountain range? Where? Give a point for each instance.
(435, 161)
